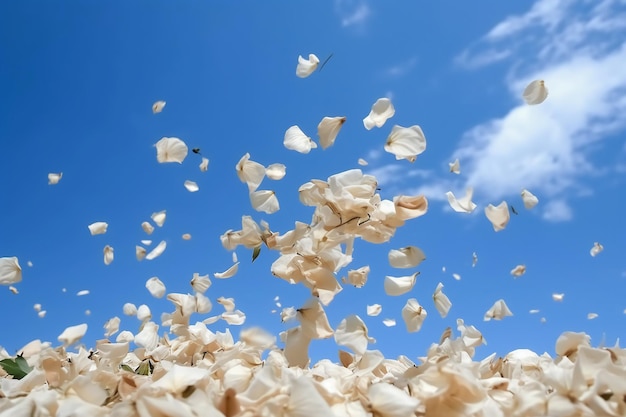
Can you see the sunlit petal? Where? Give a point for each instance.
(406, 142)
(328, 129)
(158, 106)
(265, 201)
(157, 251)
(156, 287)
(276, 171)
(191, 186)
(306, 67)
(381, 111)
(171, 150)
(536, 92)
(10, 271)
(296, 140)
(499, 215)
(54, 178)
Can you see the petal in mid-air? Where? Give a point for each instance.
(158, 106)
(381, 111)
(265, 201)
(98, 228)
(529, 199)
(108, 255)
(54, 178)
(276, 171)
(328, 129)
(455, 167)
(306, 67)
(296, 140)
(191, 186)
(171, 150)
(535, 93)
(596, 249)
(498, 215)
(10, 271)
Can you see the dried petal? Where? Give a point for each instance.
(499, 215)
(108, 254)
(157, 251)
(399, 285)
(265, 201)
(413, 315)
(98, 228)
(498, 311)
(442, 302)
(230, 272)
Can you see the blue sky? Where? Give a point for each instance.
(78, 82)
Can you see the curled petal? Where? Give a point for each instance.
(558, 296)
(73, 334)
(499, 215)
(442, 302)
(265, 201)
(535, 93)
(54, 178)
(462, 205)
(596, 249)
(276, 171)
(518, 271)
(498, 311)
(389, 322)
(10, 271)
(408, 257)
(140, 252)
(158, 106)
(204, 165)
(171, 150)
(157, 251)
(406, 142)
(200, 283)
(529, 199)
(147, 227)
(236, 318)
(328, 129)
(98, 228)
(296, 140)
(357, 277)
(399, 285)
(413, 315)
(191, 186)
(352, 333)
(250, 172)
(455, 167)
(159, 218)
(374, 310)
(306, 67)
(156, 287)
(108, 254)
(381, 111)
(230, 272)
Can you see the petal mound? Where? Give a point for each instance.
(10, 271)
(108, 255)
(596, 249)
(98, 228)
(498, 311)
(158, 106)
(455, 167)
(54, 178)
(265, 201)
(442, 302)
(408, 257)
(328, 129)
(156, 287)
(462, 205)
(399, 285)
(276, 171)
(406, 142)
(191, 186)
(306, 67)
(498, 215)
(529, 199)
(535, 93)
(296, 140)
(413, 315)
(171, 150)
(381, 111)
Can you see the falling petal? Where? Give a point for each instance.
(157, 107)
(230, 272)
(72, 334)
(306, 67)
(186, 236)
(407, 257)
(156, 287)
(13, 289)
(362, 162)
(413, 315)
(250, 172)
(462, 205)
(140, 252)
(108, 255)
(296, 140)
(399, 285)
(54, 178)
(518, 271)
(159, 218)
(380, 112)
(455, 167)
(265, 201)
(498, 215)
(171, 150)
(191, 186)
(276, 171)
(328, 129)
(82, 292)
(147, 227)
(529, 199)
(406, 142)
(98, 228)
(10, 271)
(596, 249)
(498, 311)
(592, 316)
(442, 302)
(474, 259)
(456, 276)
(535, 93)
(374, 310)
(389, 322)
(204, 165)
(157, 251)
(200, 283)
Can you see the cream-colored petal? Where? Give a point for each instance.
(442, 302)
(276, 171)
(191, 186)
(305, 400)
(529, 199)
(82, 293)
(357, 277)
(13, 289)
(250, 172)
(156, 287)
(596, 249)
(413, 315)
(158, 106)
(362, 162)
(410, 207)
(72, 334)
(54, 178)
(407, 257)
(264, 201)
(389, 322)
(10, 271)
(186, 236)
(230, 272)
(314, 321)
(535, 93)
(406, 142)
(200, 283)
(306, 67)
(558, 296)
(374, 310)
(203, 304)
(518, 271)
(328, 129)
(235, 318)
(171, 150)
(130, 309)
(386, 400)
(42, 314)
(148, 337)
(108, 254)
(98, 228)
(456, 276)
(147, 227)
(228, 303)
(499, 215)
(455, 167)
(498, 311)
(352, 333)
(144, 313)
(399, 285)
(158, 218)
(296, 347)
(204, 165)
(462, 205)
(381, 111)
(157, 251)
(140, 252)
(296, 140)
(112, 326)
(592, 316)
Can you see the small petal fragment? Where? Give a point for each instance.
(108, 255)
(130, 309)
(413, 315)
(442, 302)
(328, 129)
(10, 271)
(276, 171)
(186, 236)
(462, 205)
(381, 111)
(306, 67)
(518, 271)
(374, 310)
(158, 106)
(399, 285)
(535, 93)
(362, 162)
(498, 311)
(592, 316)
(406, 142)
(265, 201)
(147, 227)
(596, 249)
(54, 178)
(230, 272)
(558, 296)
(455, 167)
(499, 215)
(529, 199)
(408, 257)
(140, 252)
(389, 322)
(171, 150)
(72, 334)
(158, 218)
(357, 277)
(156, 287)
(82, 292)
(191, 186)
(204, 165)
(296, 140)
(98, 228)
(157, 251)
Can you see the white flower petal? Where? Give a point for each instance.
(442, 302)
(406, 142)
(158, 218)
(157, 251)
(13, 289)
(230, 272)
(558, 296)
(140, 252)
(381, 111)
(296, 140)
(535, 93)
(156, 287)
(462, 205)
(98, 228)
(108, 254)
(529, 199)
(235, 318)
(374, 310)
(112, 326)
(596, 249)
(592, 316)
(498, 311)
(144, 313)
(518, 271)
(42, 314)
(276, 171)
(386, 400)
(456, 276)
(10, 271)
(130, 309)
(82, 292)
(54, 178)
(362, 162)
(399, 285)
(306, 67)
(357, 277)
(158, 106)
(407, 257)
(147, 227)
(389, 322)
(200, 283)
(352, 333)
(148, 337)
(186, 236)
(191, 186)
(250, 172)
(455, 167)
(72, 334)
(499, 215)
(204, 165)
(328, 129)
(171, 150)
(413, 315)
(265, 201)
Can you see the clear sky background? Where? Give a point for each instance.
(77, 82)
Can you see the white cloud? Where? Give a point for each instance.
(352, 12)
(557, 211)
(402, 68)
(389, 175)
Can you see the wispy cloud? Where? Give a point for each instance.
(402, 68)
(352, 12)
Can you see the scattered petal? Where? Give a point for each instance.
(352, 333)
(72, 334)
(204, 165)
(498, 215)
(389, 322)
(413, 315)
(54, 178)
(158, 106)
(112, 326)
(235, 318)
(455, 167)
(558, 297)
(442, 302)
(130, 309)
(474, 259)
(191, 186)
(276, 171)
(406, 142)
(265, 201)
(157, 251)
(306, 67)
(82, 292)
(596, 249)
(407, 257)
(250, 172)
(108, 255)
(533, 311)
(200, 283)
(357, 277)
(529, 199)
(158, 218)
(374, 310)
(518, 271)
(462, 205)
(140, 252)
(230, 272)
(399, 285)
(98, 228)
(42, 314)
(362, 162)
(456, 276)
(147, 227)
(535, 93)
(381, 111)
(186, 236)
(328, 129)
(592, 316)
(156, 287)
(13, 289)
(296, 140)
(10, 271)
(171, 150)
(498, 311)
